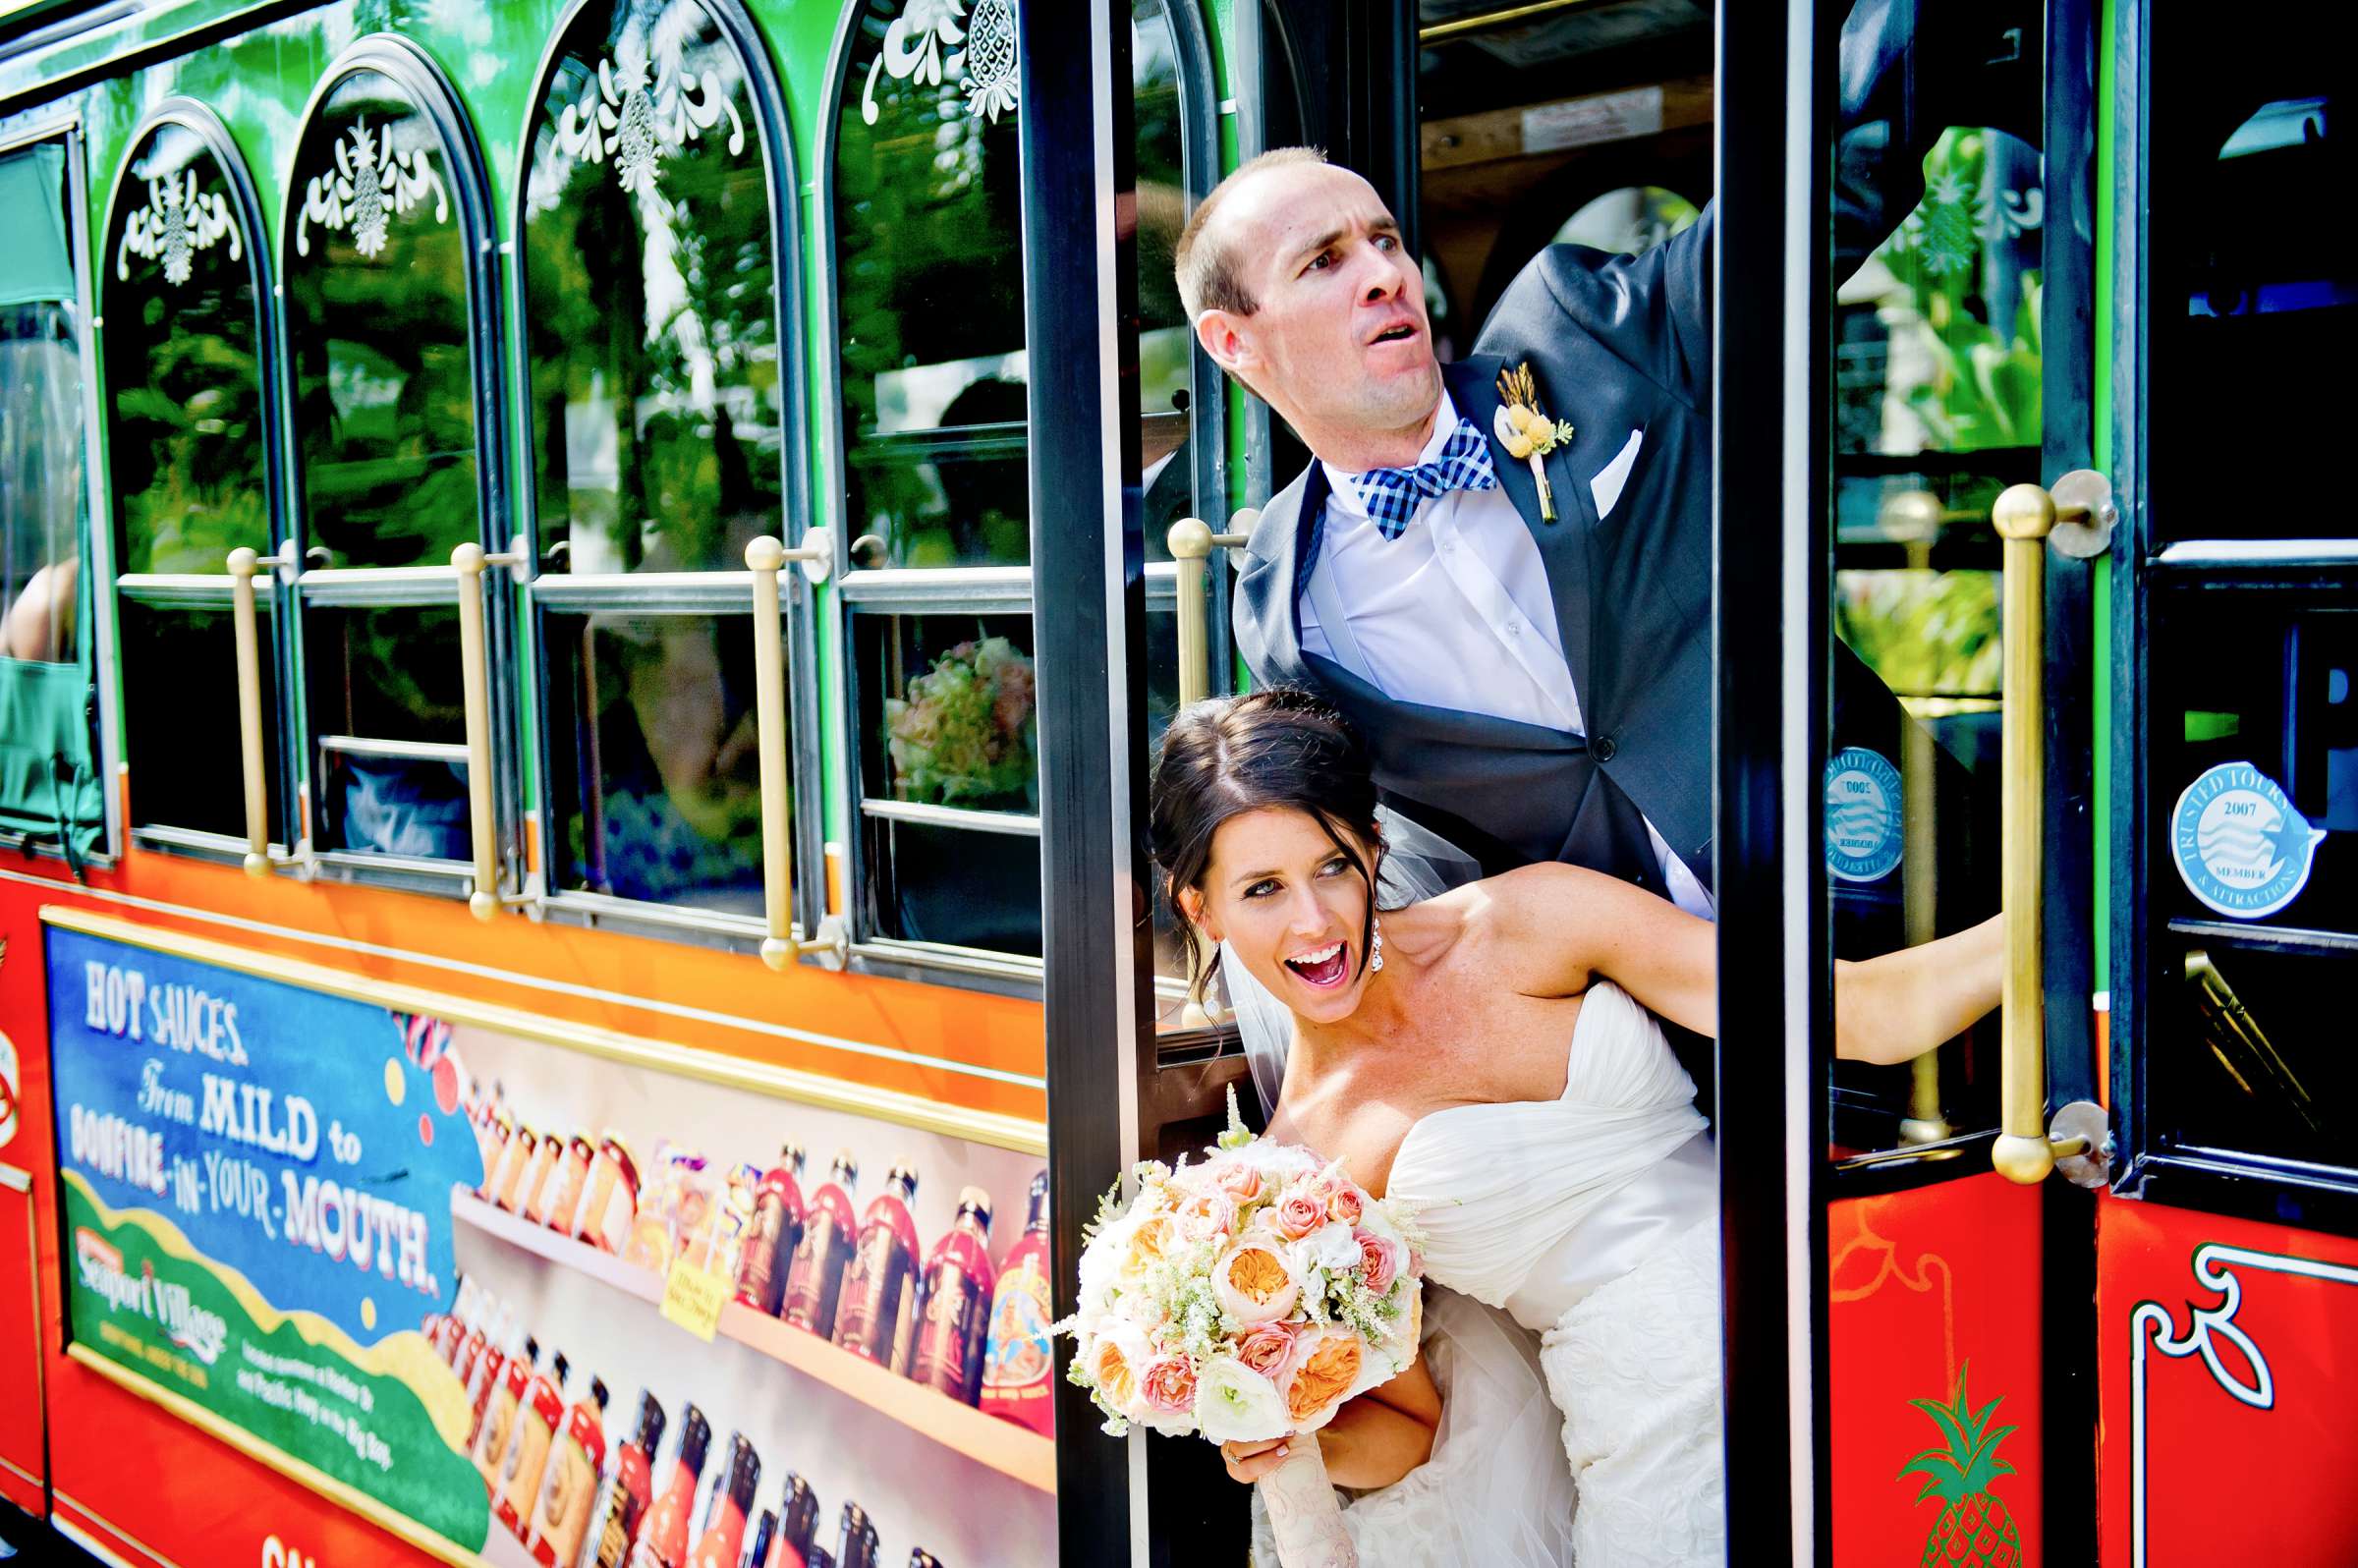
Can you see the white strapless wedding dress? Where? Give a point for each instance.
(1591, 1219)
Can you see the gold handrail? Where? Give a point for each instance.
(468, 562)
(766, 557)
(1192, 543)
(2025, 515)
(243, 564)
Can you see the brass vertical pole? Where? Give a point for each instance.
(1192, 543)
(2024, 516)
(244, 613)
(475, 677)
(765, 557)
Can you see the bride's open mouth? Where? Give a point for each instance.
(1325, 968)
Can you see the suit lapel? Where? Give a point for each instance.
(1563, 543)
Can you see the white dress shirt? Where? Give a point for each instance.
(1456, 613)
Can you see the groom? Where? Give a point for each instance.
(1524, 636)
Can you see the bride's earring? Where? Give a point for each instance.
(1375, 948)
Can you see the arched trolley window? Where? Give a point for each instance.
(391, 330)
(924, 198)
(660, 257)
(191, 409)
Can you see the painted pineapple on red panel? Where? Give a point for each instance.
(1975, 1526)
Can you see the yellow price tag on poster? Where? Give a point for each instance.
(693, 1298)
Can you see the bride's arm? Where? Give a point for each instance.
(1561, 926)
(1373, 1441)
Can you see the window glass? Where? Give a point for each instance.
(41, 480)
(186, 426)
(929, 238)
(1937, 408)
(949, 722)
(378, 324)
(388, 730)
(663, 800)
(180, 712)
(658, 409)
(1165, 343)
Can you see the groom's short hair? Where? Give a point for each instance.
(1206, 266)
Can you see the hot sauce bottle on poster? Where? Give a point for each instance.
(798, 1522)
(536, 1420)
(472, 1348)
(531, 1197)
(815, 1281)
(612, 1200)
(776, 1230)
(564, 1192)
(506, 1390)
(498, 1134)
(498, 1350)
(1017, 1359)
(524, 1150)
(561, 1521)
(731, 1505)
(919, 1557)
(878, 1286)
(856, 1547)
(766, 1540)
(629, 1489)
(953, 1304)
(662, 1541)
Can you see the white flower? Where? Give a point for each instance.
(1330, 1246)
(1236, 1403)
(1255, 1282)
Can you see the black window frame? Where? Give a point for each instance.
(725, 592)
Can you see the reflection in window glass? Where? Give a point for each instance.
(664, 800)
(949, 722)
(184, 386)
(41, 480)
(930, 279)
(658, 409)
(957, 726)
(389, 730)
(182, 717)
(377, 321)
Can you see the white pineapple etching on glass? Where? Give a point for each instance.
(647, 104)
(179, 220)
(369, 186)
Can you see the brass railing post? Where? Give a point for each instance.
(766, 557)
(1192, 543)
(467, 563)
(243, 565)
(2025, 516)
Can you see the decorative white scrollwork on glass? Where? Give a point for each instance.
(647, 104)
(179, 220)
(369, 186)
(980, 54)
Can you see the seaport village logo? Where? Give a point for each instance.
(199, 1332)
(2239, 845)
(1862, 816)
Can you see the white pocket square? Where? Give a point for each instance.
(1607, 485)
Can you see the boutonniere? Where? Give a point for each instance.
(1525, 431)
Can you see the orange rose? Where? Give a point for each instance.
(1323, 1371)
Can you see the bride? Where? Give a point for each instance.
(1491, 1057)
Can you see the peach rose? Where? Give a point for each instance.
(1268, 1350)
(1168, 1385)
(1379, 1261)
(1238, 1179)
(1344, 1205)
(1255, 1284)
(1115, 1364)
(1299, 1214)
(1207, 1215)
(1150, 1244)
(1327, 1366)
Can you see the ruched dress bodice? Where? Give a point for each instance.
(1533, 1204)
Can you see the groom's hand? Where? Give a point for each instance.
(1249, 1462)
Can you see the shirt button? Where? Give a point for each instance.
(1514, 627)
(1602, 748)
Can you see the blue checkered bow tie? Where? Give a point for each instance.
(1392, 495)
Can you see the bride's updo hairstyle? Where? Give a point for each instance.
(1276, 746)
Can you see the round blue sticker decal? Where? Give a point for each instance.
(2240, 846)
(1862, 816)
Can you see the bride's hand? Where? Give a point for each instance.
(1249, 1462)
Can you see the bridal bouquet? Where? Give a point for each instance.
(1245, 1299)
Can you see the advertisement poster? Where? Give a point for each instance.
(256, 1183)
